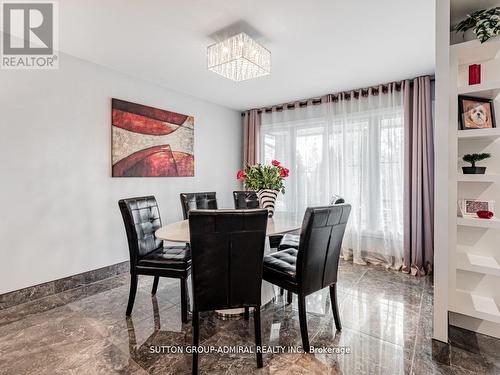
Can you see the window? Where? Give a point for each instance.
(352, 149)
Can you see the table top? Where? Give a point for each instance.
(280, 223)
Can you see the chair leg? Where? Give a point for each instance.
(246, 314)
(303, 323)
(335, 306)
(258, 339)
(289, 297)
(131, 296)
(155, 285)
(196, 341)
(184, 301)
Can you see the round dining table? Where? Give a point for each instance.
(280, 223)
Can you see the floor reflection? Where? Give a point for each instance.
(137, 351)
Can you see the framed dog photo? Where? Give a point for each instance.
(469, 207)
(476, 113)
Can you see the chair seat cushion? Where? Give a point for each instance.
(177, 257)
(289, 241)
(282, 264)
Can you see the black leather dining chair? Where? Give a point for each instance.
(292, 240)
(201, 201)
(245, 199)
(314, 265)
(227, 254)
(148, 254)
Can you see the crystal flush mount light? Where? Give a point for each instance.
(239, 58)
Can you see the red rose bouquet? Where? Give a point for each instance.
(258, 177)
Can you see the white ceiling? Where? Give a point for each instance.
(317, 47)
(460, 8)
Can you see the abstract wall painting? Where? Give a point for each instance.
(151, 142)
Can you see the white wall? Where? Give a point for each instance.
(59, 205)
(444, 173)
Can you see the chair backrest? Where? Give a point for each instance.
(197, 201)
(336, 199)
(245, 200)
(227, 250)
(320, 244)
(141, 217)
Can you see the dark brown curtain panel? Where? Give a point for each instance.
(251, 126)
(418, 177)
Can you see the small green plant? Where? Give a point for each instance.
(484, 23)
(473, 158)
(258, 176)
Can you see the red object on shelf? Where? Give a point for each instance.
(484, 214)
(474, 74)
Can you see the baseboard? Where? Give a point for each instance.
(57, 286)
(441, 352)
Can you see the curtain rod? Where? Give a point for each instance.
(325, 98)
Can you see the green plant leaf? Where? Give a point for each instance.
(485, 23)
(473, 158)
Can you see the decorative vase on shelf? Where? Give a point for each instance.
(267, 199)
(474, 74)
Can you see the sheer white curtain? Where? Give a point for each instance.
(353, 148)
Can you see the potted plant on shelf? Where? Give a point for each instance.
(473, 158)
(266, 180)
(484, 23)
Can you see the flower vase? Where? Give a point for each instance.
(267, 199)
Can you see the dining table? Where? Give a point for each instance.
(280, 223)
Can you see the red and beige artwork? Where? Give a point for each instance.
(151, 142)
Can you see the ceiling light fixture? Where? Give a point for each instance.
(239, 58)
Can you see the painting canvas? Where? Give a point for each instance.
(151, 142)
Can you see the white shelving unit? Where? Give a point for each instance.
(484, 90)
(471, 262)
(473, 51)
(474, 272)
(492, 223)
(478, 306)
(478, 134)
(484, 178)
(466, 251)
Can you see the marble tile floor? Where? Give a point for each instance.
(386, 318)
